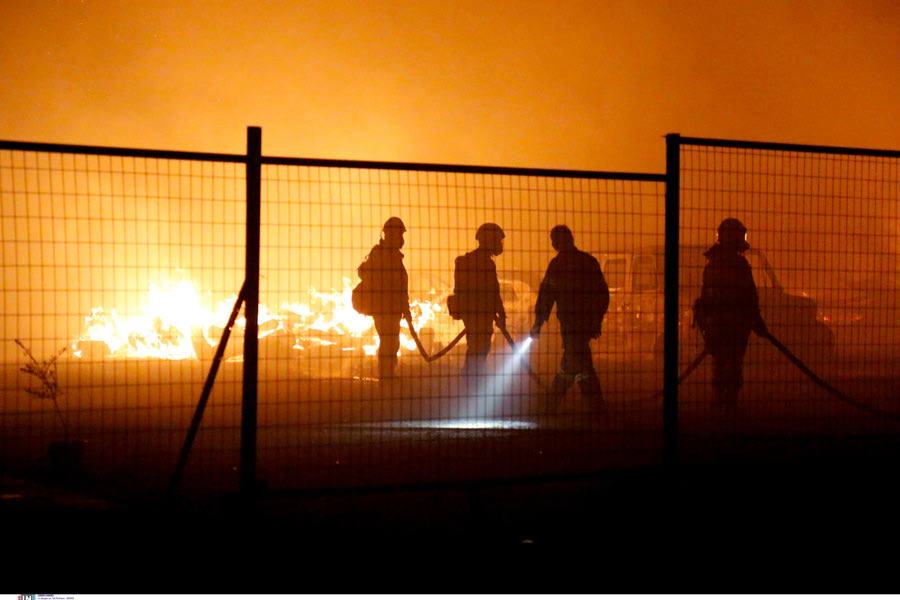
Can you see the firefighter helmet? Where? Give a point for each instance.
(489, 231)
(490, 236)
(394, 223)
(732, 233)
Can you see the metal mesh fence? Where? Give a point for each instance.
(115, 271)
(122, 268)
(822, 228)
(329, 418)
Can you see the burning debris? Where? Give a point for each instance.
(176, 326)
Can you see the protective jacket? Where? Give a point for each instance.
(476, 286)
(728, 307)
(384, 281)
(575, 283)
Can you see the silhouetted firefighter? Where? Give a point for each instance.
(728, 308)
(476, 296)
(383, 293)
(574, 282)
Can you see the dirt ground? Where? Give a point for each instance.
(820, 526)
(366, 488)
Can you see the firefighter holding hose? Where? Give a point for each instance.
(476, 296)
(728, 308)
(383, 293)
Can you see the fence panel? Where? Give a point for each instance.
(124, 266)
(127, 264)
(822, 228)
(327, 419)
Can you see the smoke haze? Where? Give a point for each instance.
(581, 85)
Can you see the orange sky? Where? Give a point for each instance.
(539, 83)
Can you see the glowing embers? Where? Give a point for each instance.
(333, 314)
(175, 325)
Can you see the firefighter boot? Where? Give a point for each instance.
(556, 393)
(589, 385)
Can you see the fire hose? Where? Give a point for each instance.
(803, 369)
(822, 383)
(684, 375)
(694, 364)
(433, 357)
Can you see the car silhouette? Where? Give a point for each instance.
(633, 327)
(865, 317)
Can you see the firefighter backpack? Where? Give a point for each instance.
(362, 296)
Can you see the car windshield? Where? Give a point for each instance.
(645, 273)
(614, 272)
(648, 270)
(763, 275)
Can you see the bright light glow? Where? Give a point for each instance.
(163, 330)
(460, 423)
(488, 398)
(174, 321)
(523, 346)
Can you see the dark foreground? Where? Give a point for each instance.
(817, 524)
(792, 491)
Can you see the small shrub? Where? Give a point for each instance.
(45, 372)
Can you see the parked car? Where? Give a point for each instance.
(634, 325)
(865, 317)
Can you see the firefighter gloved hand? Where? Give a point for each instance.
(536, 330)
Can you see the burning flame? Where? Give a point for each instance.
(175, 322)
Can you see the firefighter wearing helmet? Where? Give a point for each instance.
(490, 236)
(394, 226)
(728, 308)
(383, 293)
(732, 233)
(476, 296)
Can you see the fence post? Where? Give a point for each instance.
(251, 314)
(671, 308)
